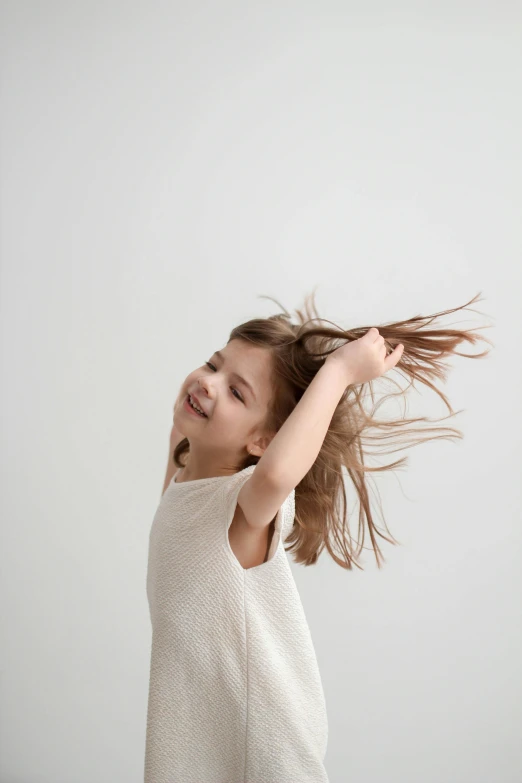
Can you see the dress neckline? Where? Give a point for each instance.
(201, 480)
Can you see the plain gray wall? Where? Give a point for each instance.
(162, 166)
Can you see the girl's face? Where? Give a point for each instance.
(233, 389)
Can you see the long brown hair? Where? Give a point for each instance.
(299, 350)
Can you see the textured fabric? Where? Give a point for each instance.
(235, 693)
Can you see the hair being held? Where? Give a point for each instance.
(417, 348)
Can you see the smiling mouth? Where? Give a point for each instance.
(199, 413)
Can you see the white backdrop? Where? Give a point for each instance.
(162, 166)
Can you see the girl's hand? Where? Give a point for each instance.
(365, 359)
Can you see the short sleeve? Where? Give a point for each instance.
(283, 522)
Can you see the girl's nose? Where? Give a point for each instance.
(206, 387)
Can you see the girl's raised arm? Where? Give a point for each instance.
(294, 449)
(175, 437)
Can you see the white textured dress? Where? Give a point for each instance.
(235, 693)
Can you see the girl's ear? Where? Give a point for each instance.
(263, 443)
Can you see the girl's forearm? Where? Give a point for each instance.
(294, 449)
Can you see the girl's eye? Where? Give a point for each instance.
(239, 397)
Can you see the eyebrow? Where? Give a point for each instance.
(235, 375)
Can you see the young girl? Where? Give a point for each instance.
(261, 434)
